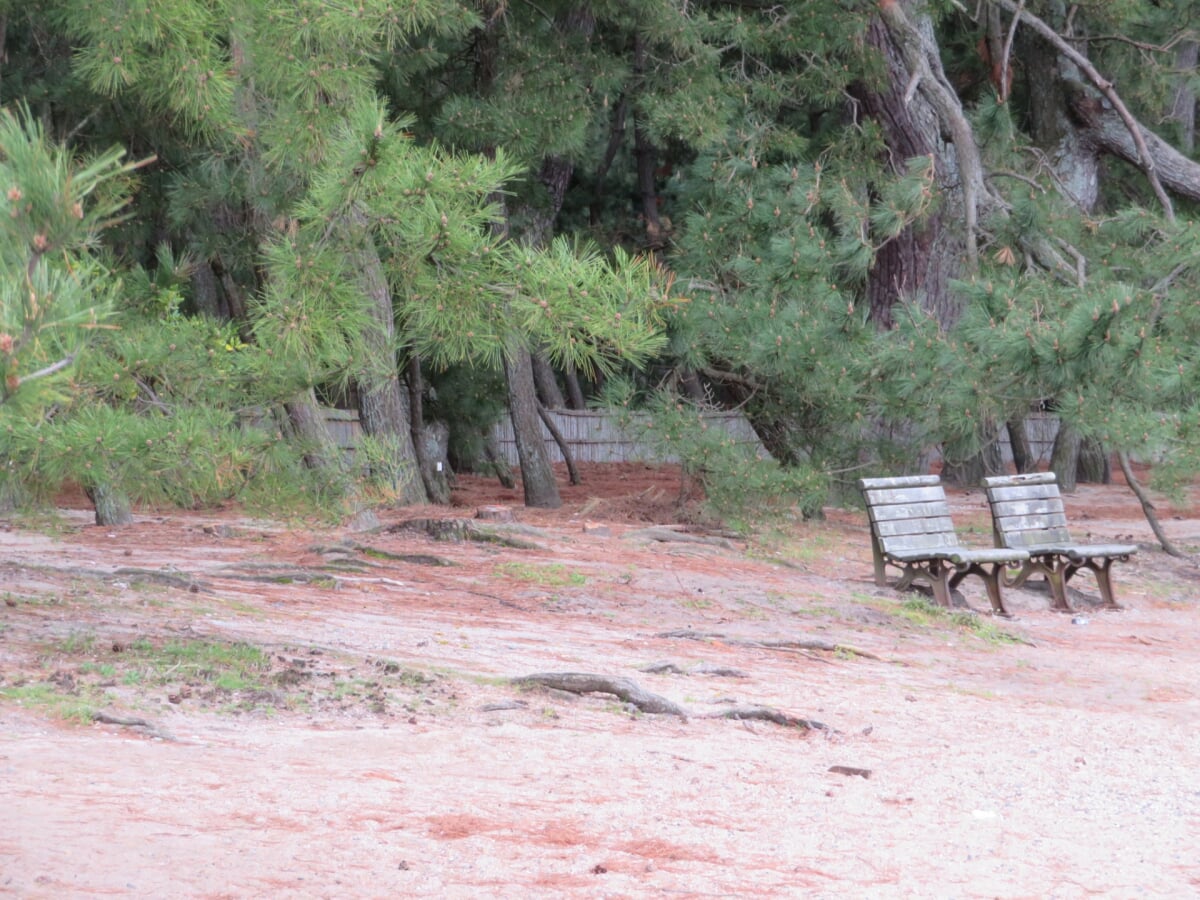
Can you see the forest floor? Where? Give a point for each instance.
(208, 704)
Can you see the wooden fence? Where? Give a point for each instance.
(596, 436)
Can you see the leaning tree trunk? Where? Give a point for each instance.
(537, 474)
(382, 401)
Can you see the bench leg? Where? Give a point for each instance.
(1103, 579)
(877, 559)
(991, 579)
(939, 579)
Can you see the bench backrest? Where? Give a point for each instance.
(909, 513)
(1027, 510)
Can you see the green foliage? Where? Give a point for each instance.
(54, 293)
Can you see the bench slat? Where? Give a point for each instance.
(898, 481)
(1028, 507)
(1011, 524)
(907, 542)
(893, 496)
(909, 511)
(938, 525)
(1023, 492)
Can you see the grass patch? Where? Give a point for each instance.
(925, 613)
(52, 701)
(550, 574)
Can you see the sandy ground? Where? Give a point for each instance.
(380, 749)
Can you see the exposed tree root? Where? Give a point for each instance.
(459, 530)
(131, 722)
(183, 582)
(666, 667)
(785, 644)
(768, 714)
(622, 688)
(665, 534)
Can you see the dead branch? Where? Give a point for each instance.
(586, 683)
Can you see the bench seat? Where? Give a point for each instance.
(911, 530)
(1028, 513)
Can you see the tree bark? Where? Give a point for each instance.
(537, 474)
(1106, 131)
(1147, 505)
(1018, 439)
(547, 384)
(111, 505)
(1064, 458)
(646, 161)
(1183, 104)
(575, 397)
(433, 474)
(308, 429)
(918, 263)
(563, 447)
(382, 402)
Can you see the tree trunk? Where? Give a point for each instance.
(429, 460)
(112, 507)
(308, 429)
(919, 263)
(574, 391)
(1147, 506)
(499, 464)
(1064, 459)
(382, 401)
(1094, 464)
(563, 447)
(537, 474)
(1018, 439)
(1183, 105)
(547, 385)
(646, 160)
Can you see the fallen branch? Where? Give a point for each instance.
(622, 688)
(785, 644)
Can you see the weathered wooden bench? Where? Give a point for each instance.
(1028, 513)
(911, 529)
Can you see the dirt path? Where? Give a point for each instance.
(329, 713)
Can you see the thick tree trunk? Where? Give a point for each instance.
(919, 263)
(1018, 440)
(537, 474)
(112, 507)
(1064, 459)
(1094, 464)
